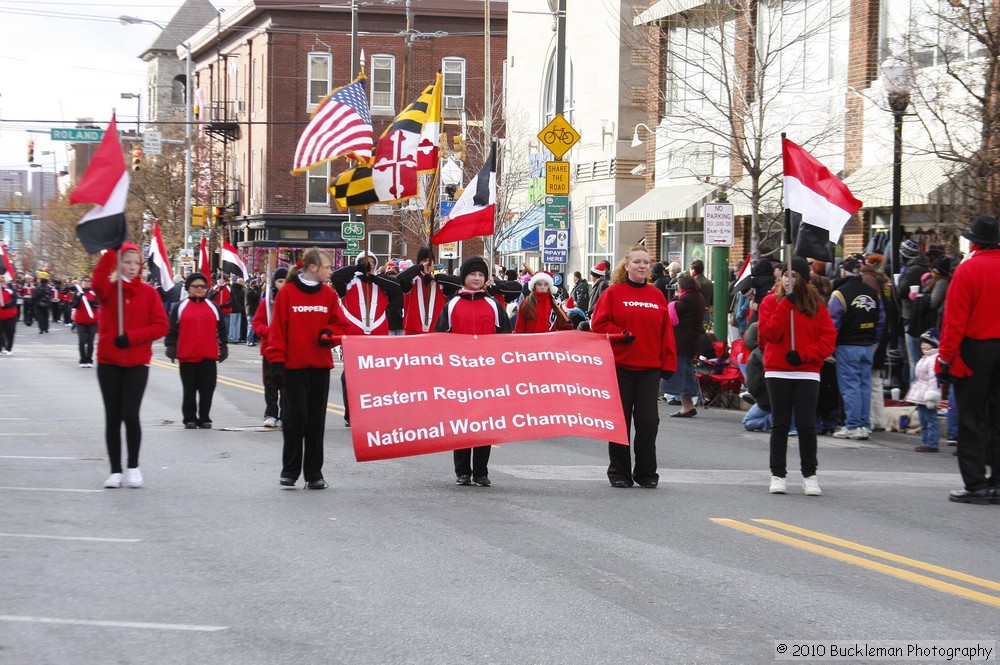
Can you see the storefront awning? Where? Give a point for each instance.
(521, 235)
(665, 8)
(676, 202)
(924, 182)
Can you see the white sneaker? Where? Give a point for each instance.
(133, 477)
(6, 352)
(842, 433)
(114, 481)
(270, 422)
(859, 434)
(810, 486)
(777, 485)
(277, 423)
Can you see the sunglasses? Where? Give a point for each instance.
(199, 286)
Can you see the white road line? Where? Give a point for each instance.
(32, 457)
(89, 539)
(25, 434)
(46, 489)
(113, 624)
(13, 418)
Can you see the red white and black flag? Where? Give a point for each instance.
(232, 263)
(204, 261)
(105, 182)
(159, 266)
(5, 267)
(823, 201)
(475, 210)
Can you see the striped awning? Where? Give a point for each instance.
(924, 182)
(676, 202)
(665, 8)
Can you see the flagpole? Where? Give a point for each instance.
(121, 311)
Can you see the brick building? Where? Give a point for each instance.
(259, 73)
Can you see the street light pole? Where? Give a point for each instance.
(188, 119)
(898, 81)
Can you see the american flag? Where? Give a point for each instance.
(340, 125)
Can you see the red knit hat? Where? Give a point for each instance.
(600, 269)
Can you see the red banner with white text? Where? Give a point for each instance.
(420, 394)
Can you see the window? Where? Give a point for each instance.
(316, 182)
(320, 77)
(933, 32)
(177, 91)
(383, 78)
(453, 79)
(380, 244)
(550, 91)
(600, 234)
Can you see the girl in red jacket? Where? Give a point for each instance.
(306, 322)
(198, 339)
(637, 310)
(796, 335)
(539, 312)
(274, 397)
(473, 311)
(85, 316)
(8, 315)
(123, 354)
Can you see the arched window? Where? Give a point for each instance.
(178, 90)
(550, 90)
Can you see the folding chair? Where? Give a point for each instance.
(719, 379)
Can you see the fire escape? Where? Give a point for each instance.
(222, 125)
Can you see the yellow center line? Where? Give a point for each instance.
(331, 407)
(899, 573)
(913, 563)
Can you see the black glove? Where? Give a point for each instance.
(172, 352)
(665, 374)
(223, 353)
(326, 337)
(122, 341)
(627, 337)
(943, 374)
(278, 374)
(793, 358)
(790, 297)
(365, 266)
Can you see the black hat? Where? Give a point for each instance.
(942, 266)
(423, 254)
(280, 273)
(474, 264)
(851, 265)
(801, 266)
(193, 276)
(983, 231)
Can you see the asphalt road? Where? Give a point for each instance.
(211, 562)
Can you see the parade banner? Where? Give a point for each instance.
(420, 394)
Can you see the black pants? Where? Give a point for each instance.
(7, 328)
(343, 391)
(85, 335)
(274, 397)
(978, 399)
(28, 313)
(198, 381)
(473, 461)
(790, 397)
(306, 395)
(43, 319)
(638, 390)
(122, 389)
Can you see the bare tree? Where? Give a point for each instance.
(732, 75)
(954, 49)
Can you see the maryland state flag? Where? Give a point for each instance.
(391, 176)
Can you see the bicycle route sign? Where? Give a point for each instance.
(558, 136)
(352, 230)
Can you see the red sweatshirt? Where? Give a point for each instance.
(642, 311)
(546, 320)
(260, 325)
(144, 316)
(8, 303)
(815, 337)
(197, 329)
(86, 311)
(299, 313)
(969, 308)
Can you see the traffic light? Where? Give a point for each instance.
(198, 215)
(449, 192)
(31, 151)
(136, 159)
(458, 148)
(217, 213)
